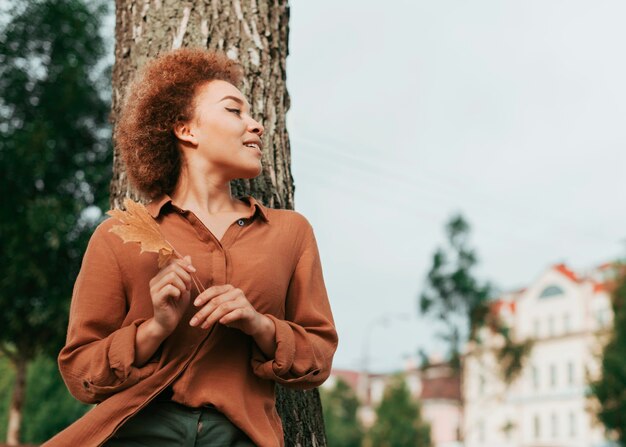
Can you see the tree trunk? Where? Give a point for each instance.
(17, 402)
(255, 33)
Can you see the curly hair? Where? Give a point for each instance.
(160, 95)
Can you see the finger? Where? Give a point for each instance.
(167, 292)
(187, 264)
(184, 275)
(220, 312)
(170, 278)
(180, 271)
(178, 283)
(211, 293)
(176, 272)
(209, 308)
(173, 266)
(231, 317)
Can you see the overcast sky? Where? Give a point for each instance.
(405, 112)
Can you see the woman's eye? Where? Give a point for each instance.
(235, 111)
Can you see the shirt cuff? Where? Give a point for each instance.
(122, 349)
(283, 357)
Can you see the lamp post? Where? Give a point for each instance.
(382, 320)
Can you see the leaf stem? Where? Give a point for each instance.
(194, 278)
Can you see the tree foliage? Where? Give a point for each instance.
(462, 303)
(398, 419)
(48, 407)
(511, 355)
(453, 295)
(340, 406)
(54, 162)
(609, 388)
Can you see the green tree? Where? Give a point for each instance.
(453, 295)
(48, 407)
(608, 390)
(55, 161)
(340, 406)
(457, 299)
(398, 419)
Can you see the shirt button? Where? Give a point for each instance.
(241, 222)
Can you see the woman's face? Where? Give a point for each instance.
(222, 132)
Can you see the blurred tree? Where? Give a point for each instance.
(48, 407)
(458, 300)
(54, 164)
(7, 376)
(609, 388)
(398, 419)
(340, 406)
(453, 295)
(462, 303)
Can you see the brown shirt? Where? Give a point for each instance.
(270, 254)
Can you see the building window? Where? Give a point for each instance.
(602, 317)
(481, 430)
(535, 377)
(537, 427)
(551, 291)
(570, 373)
(566, 324)
(553, 375)
(536, 328)
(572, 424)
(555, 425)
(551, 326)
(481, 384)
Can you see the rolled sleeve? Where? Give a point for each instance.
(97, 359)
(306, 340)
(122, 350)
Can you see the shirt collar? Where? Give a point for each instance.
(157, 204)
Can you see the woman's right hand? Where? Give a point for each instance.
(170, 293)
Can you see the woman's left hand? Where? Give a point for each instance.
(228, 305)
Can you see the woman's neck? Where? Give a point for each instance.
(201, 193)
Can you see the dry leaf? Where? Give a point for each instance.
(139, 226)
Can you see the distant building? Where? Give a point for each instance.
(437, 389)
(567, 314)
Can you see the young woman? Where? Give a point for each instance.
(165, 364)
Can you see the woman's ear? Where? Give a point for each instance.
(184, 133)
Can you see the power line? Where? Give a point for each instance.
(405, 184)
(382, 170)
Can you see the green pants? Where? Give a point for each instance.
(166, 423)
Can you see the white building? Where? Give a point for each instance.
(566, 314)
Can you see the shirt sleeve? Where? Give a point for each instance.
(307, 338)
(97, 359)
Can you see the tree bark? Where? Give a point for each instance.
(17, 401)
(255, 33)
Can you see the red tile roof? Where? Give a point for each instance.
(351, 377)
(563, 269)
(441, 388)
(499, 305)
(600, 287)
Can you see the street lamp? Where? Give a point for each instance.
(382, 320)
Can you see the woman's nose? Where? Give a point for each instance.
(256, 127)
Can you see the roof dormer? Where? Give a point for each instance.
(551, 291)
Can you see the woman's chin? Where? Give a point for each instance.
(252, 171)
